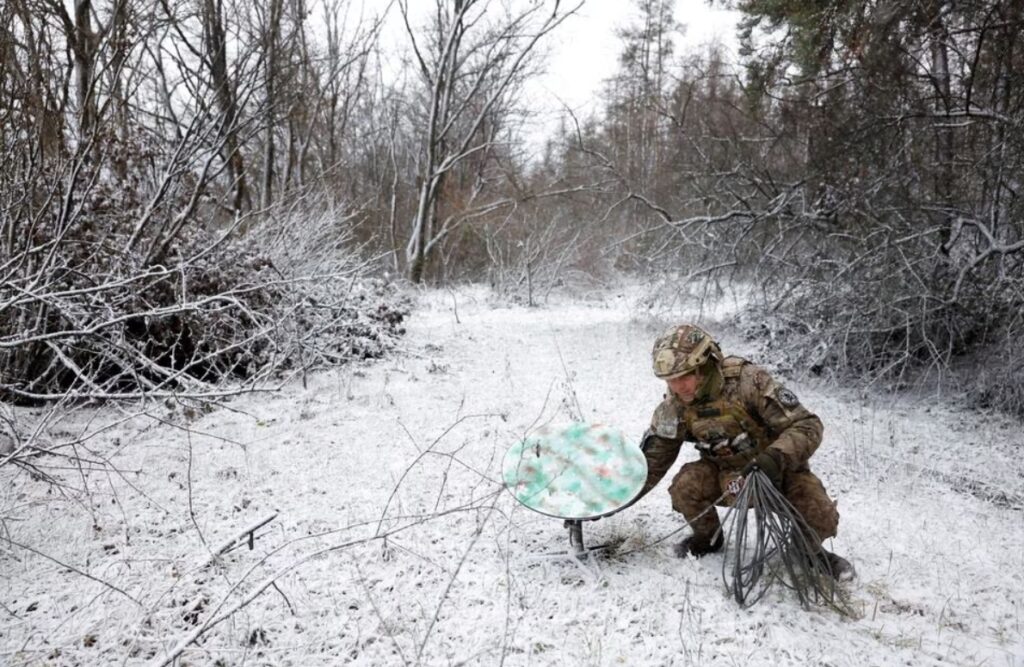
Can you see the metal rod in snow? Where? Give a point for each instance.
(238, 537)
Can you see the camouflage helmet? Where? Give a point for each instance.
(682, 350)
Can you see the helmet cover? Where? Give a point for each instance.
(681, 350)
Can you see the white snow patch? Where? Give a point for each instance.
(410, 448)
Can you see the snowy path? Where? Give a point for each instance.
(461, 577)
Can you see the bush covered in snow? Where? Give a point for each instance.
(92, 308)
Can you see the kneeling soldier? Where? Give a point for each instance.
(740, 419)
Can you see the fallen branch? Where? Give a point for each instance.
(75, 570)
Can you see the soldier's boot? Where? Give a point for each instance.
(835, 565)
(699, 545)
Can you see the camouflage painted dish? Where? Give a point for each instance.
(580, 471)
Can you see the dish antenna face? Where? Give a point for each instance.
(579, 472)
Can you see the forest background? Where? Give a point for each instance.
(206, 198)
(205, 190)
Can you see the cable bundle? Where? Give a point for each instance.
(772, 544)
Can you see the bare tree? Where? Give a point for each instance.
(471, 68)
(215, 56)
(131, 259)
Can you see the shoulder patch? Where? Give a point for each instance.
(786, 398)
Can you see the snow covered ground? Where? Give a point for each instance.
(392, 541)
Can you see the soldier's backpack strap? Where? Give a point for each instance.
(732, 367)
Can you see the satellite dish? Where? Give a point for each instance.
(576, 472)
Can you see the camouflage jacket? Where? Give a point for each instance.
(746, 413)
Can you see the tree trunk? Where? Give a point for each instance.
(271, 33)
(216, 56)
(83, 43)
(423, 229)
(119, 35)
(943, 132)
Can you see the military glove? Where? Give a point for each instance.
(772, 463)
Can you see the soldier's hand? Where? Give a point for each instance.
(771, 463)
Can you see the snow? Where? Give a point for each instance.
(394, 543)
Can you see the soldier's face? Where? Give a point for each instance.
(685, 387)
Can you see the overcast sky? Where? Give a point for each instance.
(584, 51)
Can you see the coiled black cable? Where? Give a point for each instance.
(768, 542)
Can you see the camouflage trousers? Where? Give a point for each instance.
(700, 483)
